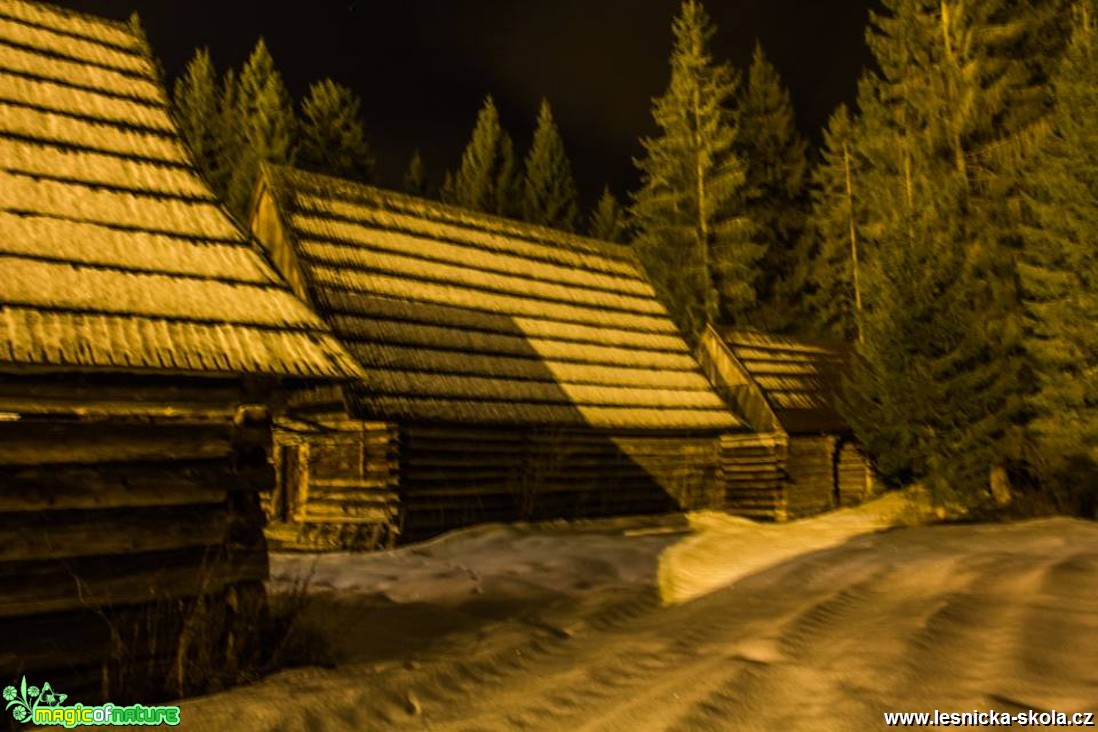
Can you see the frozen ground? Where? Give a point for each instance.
(677, 624)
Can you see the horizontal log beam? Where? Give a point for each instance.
(68, 534)
(91, 389)
(363, 517)
(33, 443)
(351, 484)
(32, 588)
(32, 489)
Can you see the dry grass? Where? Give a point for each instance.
(180, 648)
(286, 635)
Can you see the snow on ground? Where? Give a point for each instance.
(691, 623)
(723, 548)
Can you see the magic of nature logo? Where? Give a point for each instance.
(46, 707)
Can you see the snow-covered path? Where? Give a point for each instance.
(504, 628)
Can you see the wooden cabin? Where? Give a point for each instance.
(800, 458)
(144, 345)
(511, 371)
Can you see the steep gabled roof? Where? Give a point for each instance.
(459, 316)
(799, 380)
(113, 252)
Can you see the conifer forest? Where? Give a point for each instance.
(944, 227)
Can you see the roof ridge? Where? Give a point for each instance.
(455, 215)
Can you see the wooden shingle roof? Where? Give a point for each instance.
(463, 317)
(114, 253)
(799, 380)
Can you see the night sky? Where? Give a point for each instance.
(423, 67)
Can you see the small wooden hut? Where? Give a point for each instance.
(512, 371)
(144, 342)
(800, 458)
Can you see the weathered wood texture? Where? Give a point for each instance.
(734, 383)
(856, 477)
(457, 475)
(753, 475)
(121, 523)
(787, 391)
(810, 465)
(336, 485)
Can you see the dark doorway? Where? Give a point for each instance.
(287, 495)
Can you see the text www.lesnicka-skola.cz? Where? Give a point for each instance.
(989, 719)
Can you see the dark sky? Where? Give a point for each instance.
(423, 67)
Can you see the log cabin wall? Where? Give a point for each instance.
(753, 475)
(454, 475)
(855, 475)
(530, 373)
(336, 485)
(810, 467)
(143, 339)
(785, 389)
(122, 506)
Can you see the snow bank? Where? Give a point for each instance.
(724, 549)
(562, 627)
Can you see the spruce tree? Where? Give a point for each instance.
(196, 104)
(692, 232)
(775, 192)
(608, 220)
(446, 192)
(945, 123)
(1059, 273)
(331, 138)
(833, 295)
(549, 194)
(909, 403)
(263, 120)
(485, 180)
(230, 133)
(415, 178)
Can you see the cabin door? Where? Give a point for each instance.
(293, 478)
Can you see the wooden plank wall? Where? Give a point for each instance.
(855, 476)
(453, 476)
(810, 464)
(753, 474)
(341, 492)
(119, 508)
